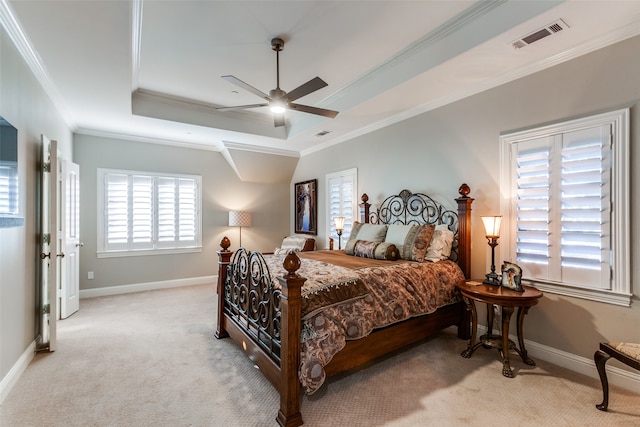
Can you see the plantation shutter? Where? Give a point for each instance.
(176, 211)
(562, 205)
(116, 230)
(145, 212)
(8, 187)
(341, 190)
(142, 212)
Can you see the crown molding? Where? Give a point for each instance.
(259, 149)
(145, 139)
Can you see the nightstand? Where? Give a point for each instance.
(508, 299)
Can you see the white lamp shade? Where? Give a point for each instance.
(339, 221)
(239, 219)
(492, 225)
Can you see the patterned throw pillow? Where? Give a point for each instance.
(375, 250)
(440, 246)
(417, 243)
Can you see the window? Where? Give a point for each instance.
(342, 201)
(8, 188)
(142, 212)
(568, 206)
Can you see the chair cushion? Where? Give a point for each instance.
(629, 349)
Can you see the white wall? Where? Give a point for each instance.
(25, 105)
(438, 150)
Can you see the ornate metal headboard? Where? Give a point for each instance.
(417, 208)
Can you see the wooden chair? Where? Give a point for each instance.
(627, 353)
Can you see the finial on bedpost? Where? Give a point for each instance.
(364, 208)
(225, 243)
(291, 264)
(464, 190)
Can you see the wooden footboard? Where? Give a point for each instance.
(266, 322)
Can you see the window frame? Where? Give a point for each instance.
(620, 290)
(353, 174)
(159, 248)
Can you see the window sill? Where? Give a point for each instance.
(145, 252)
(598, 295)
(11, 221)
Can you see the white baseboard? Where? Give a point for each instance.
(149, 286)
(16, 371)
(582, 365)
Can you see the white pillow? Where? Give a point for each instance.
(440, 245)
(402, 236)
(368, 232)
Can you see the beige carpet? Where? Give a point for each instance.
(150, 359)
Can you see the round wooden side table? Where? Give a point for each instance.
(508, 299)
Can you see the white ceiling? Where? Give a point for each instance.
(151, 69)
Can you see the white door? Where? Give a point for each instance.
(69, 238)
(48, 243)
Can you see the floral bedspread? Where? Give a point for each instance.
(393, 293)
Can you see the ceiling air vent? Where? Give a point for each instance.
(550, 29)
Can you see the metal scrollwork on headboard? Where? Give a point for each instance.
(416, 208)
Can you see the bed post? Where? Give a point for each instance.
(364, 208)
(291, 325)
(464, 230)
(224, 257)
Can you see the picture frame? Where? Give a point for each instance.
(306, 207)
(512, 276)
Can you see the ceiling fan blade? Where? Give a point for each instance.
(236, 81)
(278, 119)
(306, 88)
(313, 110)
(241, 107)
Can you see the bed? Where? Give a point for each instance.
(302, 317)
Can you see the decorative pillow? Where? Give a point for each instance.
(417, 243)
(375, 250)
(295, 243)
(369, 232)
(441, 242)
(402, 236)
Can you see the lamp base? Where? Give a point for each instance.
(492, 279)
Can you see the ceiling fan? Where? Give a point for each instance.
(279, 100)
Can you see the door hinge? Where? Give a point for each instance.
(46, 238)
(46, 167)
(46, 309)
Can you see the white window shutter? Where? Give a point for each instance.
(116, 211)
(562, 204)
(585, 194)
(8, 187)
(149, 212)
(341, 201)
(532, 205)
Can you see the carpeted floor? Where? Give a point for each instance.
(150, 359)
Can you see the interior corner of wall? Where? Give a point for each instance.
(227, 156)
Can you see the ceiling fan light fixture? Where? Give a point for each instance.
(277, 107)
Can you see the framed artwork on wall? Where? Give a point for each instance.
(306, 207)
